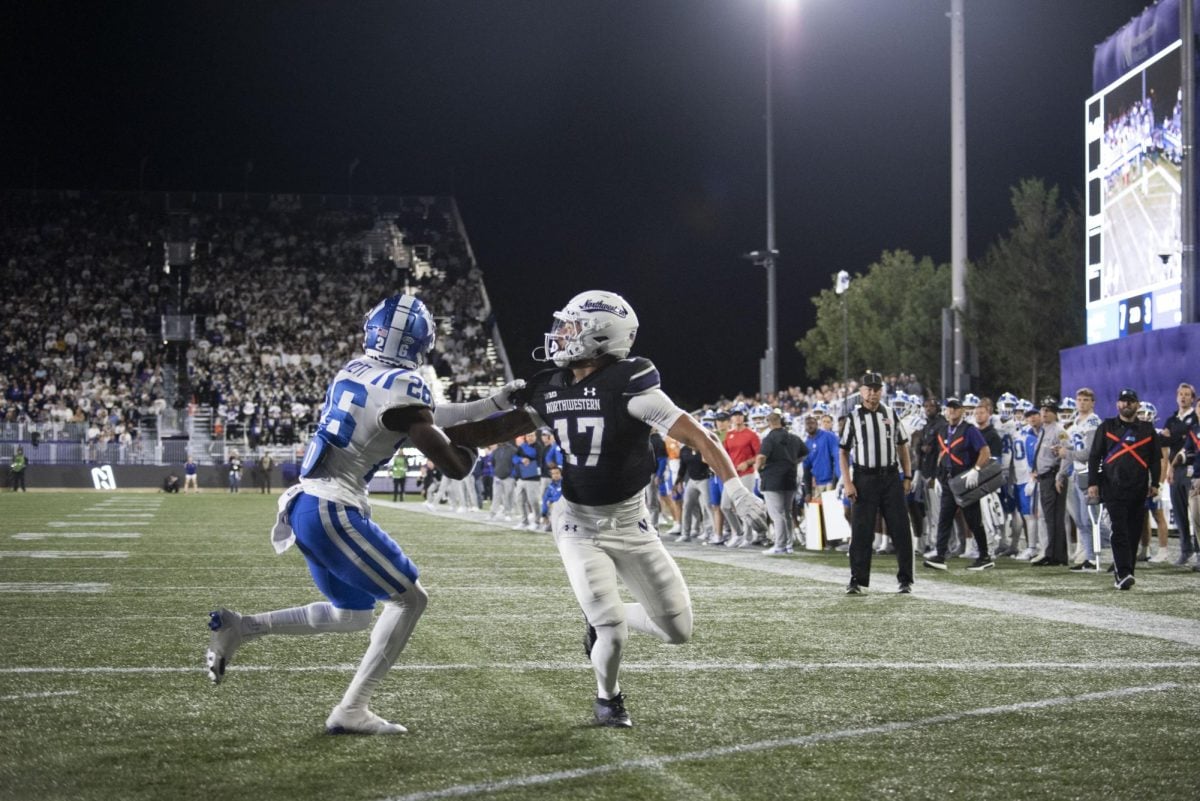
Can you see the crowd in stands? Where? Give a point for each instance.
(278, 291)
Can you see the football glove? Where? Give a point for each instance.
(971, 479)
(509, 396)
(749, 508)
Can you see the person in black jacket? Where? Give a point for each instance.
(1123, 471)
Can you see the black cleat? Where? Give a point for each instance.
(589, 638)
(905, 588)
(853, 589)
(611, 712)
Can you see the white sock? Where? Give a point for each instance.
(606, 658)
(316, 618)
(388, 638)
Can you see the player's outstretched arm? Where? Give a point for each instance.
(492, 430)
(416, 422)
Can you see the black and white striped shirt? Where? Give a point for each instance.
(872, 438)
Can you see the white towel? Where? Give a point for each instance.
(282, 536)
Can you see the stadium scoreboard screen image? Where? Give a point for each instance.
(1134, 138)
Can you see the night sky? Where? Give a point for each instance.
(616, 144)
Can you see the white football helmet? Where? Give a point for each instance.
(1067, 408)
(1006, 406)
(399, 331)
(593, 323)
(1147, 411)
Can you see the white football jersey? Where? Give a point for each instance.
(1022, 449)
(351, 442)
(1082, 432)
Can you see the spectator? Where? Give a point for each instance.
(18, 469)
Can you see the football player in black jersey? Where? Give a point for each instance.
(601, 405)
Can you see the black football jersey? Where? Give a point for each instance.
(606, 452)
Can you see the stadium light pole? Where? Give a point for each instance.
(958, 194)
(840, 286)
(767, 381)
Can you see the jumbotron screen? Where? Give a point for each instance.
(1134, 157)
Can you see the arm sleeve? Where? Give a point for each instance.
(655, 409)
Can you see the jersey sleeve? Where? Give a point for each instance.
(655, 409)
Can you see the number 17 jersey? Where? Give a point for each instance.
(603, 423)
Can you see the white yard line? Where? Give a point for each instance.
(108, 514)
(64, 554)
(50, 588)
(66, 523)
(108, 535)
(1111, 619)
(658, 762)
(29, 696)
(1103, 666)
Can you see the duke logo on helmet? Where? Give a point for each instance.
(399, 332)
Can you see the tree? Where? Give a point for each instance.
(1026, 294)
(894, 319)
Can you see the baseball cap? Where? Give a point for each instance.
(1128, 394)
(871, 380)
(1049, 402)
(953, 403)
(721, 416)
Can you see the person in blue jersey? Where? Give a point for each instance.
(601, 405)
(376, 404)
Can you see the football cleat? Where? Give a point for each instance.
(611, 712)
(359, 721)
(589, 638)
(226, 636)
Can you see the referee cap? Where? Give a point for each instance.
(871, 380)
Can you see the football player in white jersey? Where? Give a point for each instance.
(1081, 433)
(601, 405)
(375, 404)
(1025, 487)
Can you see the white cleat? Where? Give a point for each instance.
(359, 721)
(226, 637)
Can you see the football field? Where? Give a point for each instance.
(1016, 683)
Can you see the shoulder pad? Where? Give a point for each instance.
(551, 377)
(643, 375)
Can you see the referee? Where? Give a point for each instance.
(876, 440)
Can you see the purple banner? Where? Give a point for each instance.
(1146, 34)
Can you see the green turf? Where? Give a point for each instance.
(788, 690)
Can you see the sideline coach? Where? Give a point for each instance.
(876, 439)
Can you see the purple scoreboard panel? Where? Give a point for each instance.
(1134, 138)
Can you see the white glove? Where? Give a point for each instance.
(1030, 488)
(502, 397)
(452, 414)
(971, 479)
(749, 508)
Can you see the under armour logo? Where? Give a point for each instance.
(643, 525)
(589, 392)
(570, 527)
